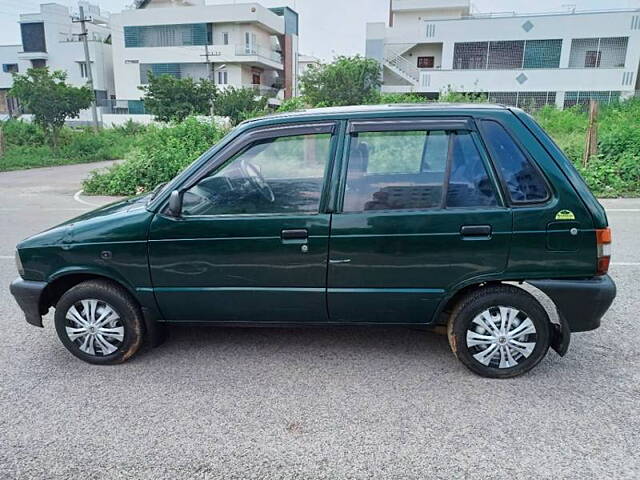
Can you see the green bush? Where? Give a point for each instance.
(160, 154)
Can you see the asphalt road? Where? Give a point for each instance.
(308, 403)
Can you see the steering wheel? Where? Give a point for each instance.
(252, 173)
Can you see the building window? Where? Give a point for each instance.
(542, 53)
(10, 67)
(425, 62)
(249, 43)
(582, 98)
(255, 78)
(166, 35)
(38, 63)
(83, 69)
(598, 52)
(158, 69)
(592, 59)
(33, 37)
(470, 55)
(223, 78)
(510, 54)
(225, 38)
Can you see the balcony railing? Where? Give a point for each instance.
(253, 50)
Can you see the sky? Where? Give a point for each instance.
(327, 27)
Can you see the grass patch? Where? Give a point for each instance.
(26, 146)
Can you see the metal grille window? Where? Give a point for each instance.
(598, 52)
(528, 101)
(172, 69)
(542, 53)
(572, 99)
(166, 35)
(507, 54)
(510, 54)
(470, 55)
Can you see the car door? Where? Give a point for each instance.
(251, 242)
(421, 215)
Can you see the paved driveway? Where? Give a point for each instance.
(308, 403)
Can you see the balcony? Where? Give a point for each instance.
(540, 79)
(256, 51)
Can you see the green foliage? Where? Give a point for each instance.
(345, 81)
(49, 98)
(389, 98)
(239, 104)
(27, 147)
(615, 171)
(292, 104)
(160, 154)
(173, 99)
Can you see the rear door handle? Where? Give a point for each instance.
(296, 235)
(475, 231)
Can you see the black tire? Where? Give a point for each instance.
(128, 327)
(488, 299)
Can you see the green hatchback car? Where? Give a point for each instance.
(407, 215)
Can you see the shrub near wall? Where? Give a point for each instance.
(160, 154)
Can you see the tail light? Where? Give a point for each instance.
(603, 242)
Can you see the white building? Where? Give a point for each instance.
(243, 44)
(51, 38)
(431, 46)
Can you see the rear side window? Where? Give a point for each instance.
(523, 182)
(419, 169)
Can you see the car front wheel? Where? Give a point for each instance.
(499, 331)
(99, 322)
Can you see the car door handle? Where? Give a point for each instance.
(296, 235)
(475, 231)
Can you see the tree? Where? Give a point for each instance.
(239, 104)
(173, 99)
(345, 81)
(49, 98)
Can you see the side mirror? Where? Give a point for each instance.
(175, 204)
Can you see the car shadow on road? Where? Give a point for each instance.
(380, 341)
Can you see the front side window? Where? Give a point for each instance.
(523, 182)
(409, 170)
(282, 175)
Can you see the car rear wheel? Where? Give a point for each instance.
(99, 322)
(499, 331)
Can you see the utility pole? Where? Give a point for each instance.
(210, 74)
(87, 62)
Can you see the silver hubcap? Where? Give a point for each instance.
(501, 337)
(95, 327)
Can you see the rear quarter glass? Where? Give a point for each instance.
(573, 176)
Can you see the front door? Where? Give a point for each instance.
(251, 244)
(420, 215)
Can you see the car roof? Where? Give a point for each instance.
(390, 110)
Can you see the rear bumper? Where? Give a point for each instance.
(28, 294)
(580, 303)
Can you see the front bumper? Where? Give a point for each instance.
(28, 295)
(580, 303)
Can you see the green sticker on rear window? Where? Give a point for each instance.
(565, 215)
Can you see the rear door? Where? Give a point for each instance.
(420, 214)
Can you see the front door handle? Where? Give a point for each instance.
(296, 235)
(475, 231)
